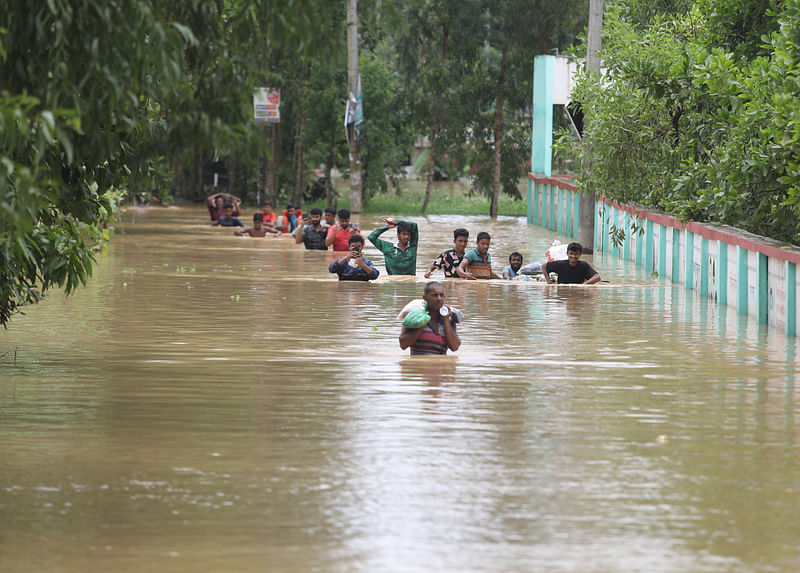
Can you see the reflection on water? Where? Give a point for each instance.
(218, 403)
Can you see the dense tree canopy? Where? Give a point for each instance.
(109, 94)
(96, 94)
(698, 114)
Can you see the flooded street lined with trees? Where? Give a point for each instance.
(210, 402)
(204, 402)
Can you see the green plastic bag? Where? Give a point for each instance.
(416, 318)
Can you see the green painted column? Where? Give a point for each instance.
(762, 280)
(613, 220)
(688, 270)
(662, 251)
(704, 266)
(542, 134)
(722, 272)
(648, 246)
(544, 205)
(791, 299)
(676, 255)
(741, 280)
(529, 210)
(626, 246)
(641, 241)
(598, 226)
(568, 212)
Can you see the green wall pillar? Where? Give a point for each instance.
(542, 134)
(742, 280)
(529, 210)
(762, 280)
(648, 246)
(688, 270)
(704, 266)
(791, 299)
(676, 255)
(626, 245)
(722, 272)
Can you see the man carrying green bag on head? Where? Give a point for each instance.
(435, 335)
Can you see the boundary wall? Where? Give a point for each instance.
(756, 275)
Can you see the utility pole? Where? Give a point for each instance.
(352, 102)
(587, 201)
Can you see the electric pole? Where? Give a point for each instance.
(587, 201)
(352, 103)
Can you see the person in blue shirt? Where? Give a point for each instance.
(353, 266)
(227, 219)
(514, 264)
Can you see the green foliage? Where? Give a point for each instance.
(515, 153)
(96, 96)
(386, 133)
(698, 115)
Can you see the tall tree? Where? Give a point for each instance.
(516, 31)
(95, 95)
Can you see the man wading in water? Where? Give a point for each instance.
(571, 271)
(440, 332)
(400, 259)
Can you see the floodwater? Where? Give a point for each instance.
(214, 403)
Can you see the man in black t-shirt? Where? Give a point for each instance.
(571, 271)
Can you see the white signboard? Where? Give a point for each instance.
(564, 71)
(267, 105)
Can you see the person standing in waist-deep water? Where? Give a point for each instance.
(573, 270)
(449, 260)
(270, 218)
(311, 232)
(400, 259)
(352, 266)
(440, 334)
(477, 263)
(514, 265)
(227, 219)
(215, 204)
(289, 218)
(339, 234)
(330, 217)
(259, 229)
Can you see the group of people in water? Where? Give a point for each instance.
(319, 230)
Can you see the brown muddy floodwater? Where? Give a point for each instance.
(213, 403)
